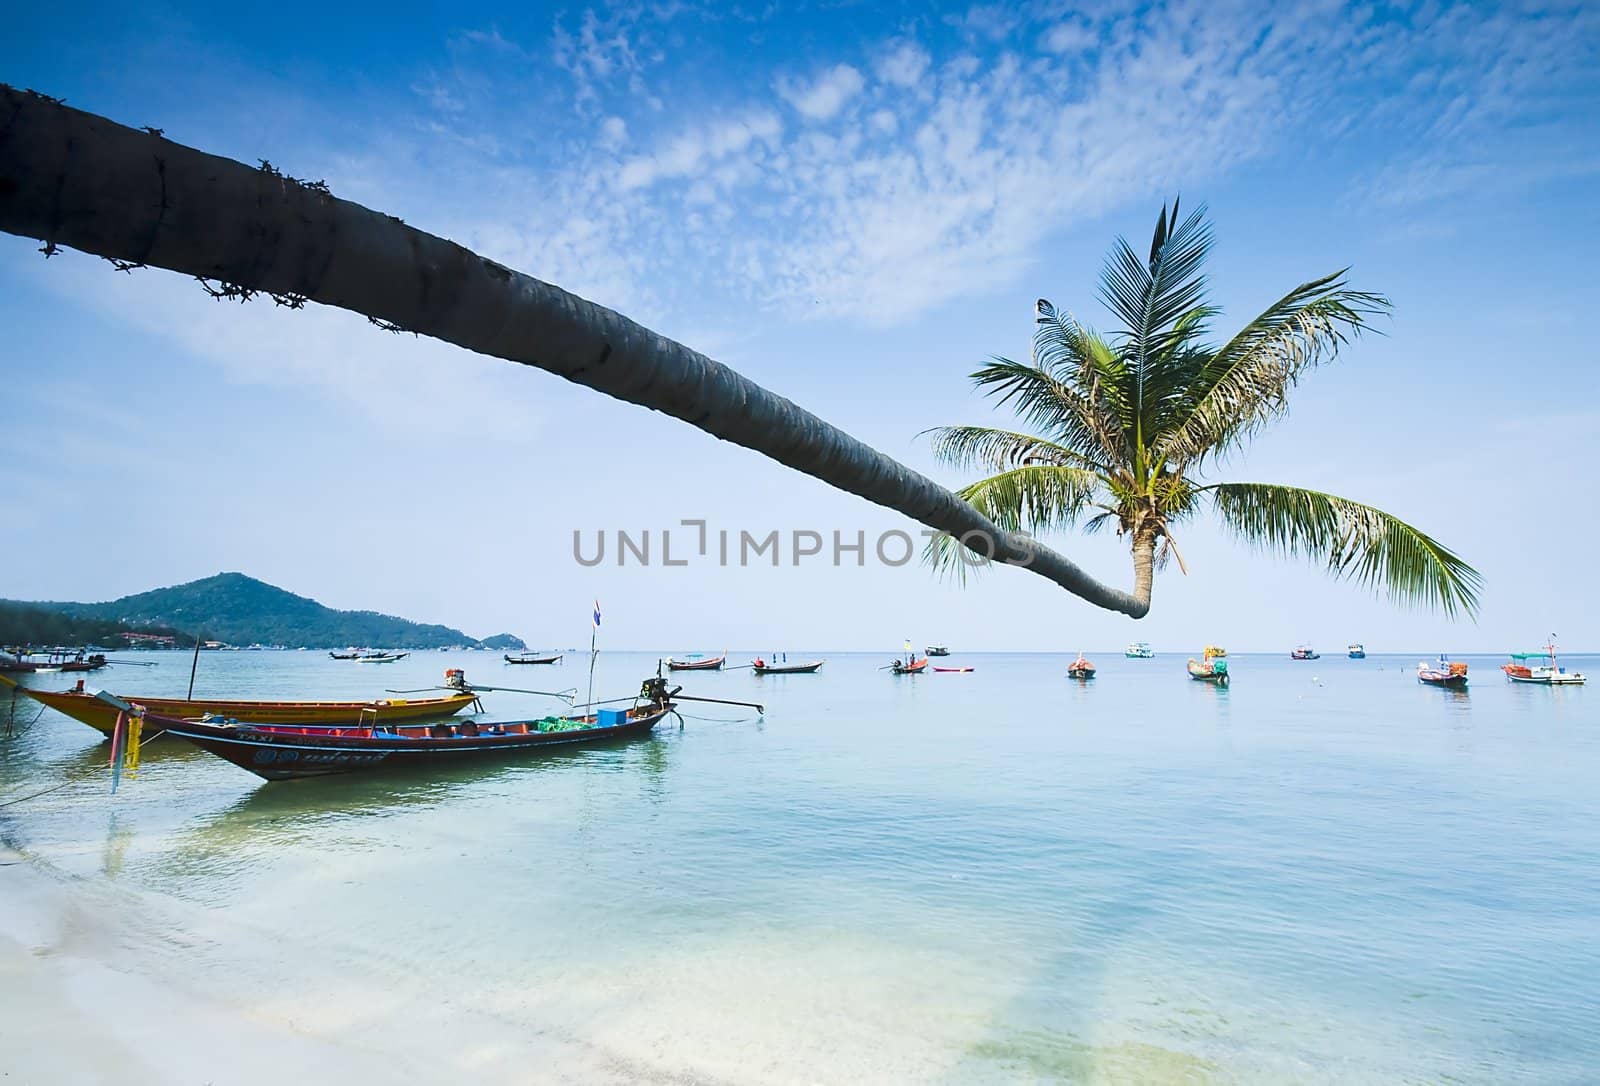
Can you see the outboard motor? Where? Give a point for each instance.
(456, 679)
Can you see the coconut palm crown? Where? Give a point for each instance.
(1122, 428)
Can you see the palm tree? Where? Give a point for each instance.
(70, 178)
(1122, 429)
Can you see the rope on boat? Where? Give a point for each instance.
(75, 778)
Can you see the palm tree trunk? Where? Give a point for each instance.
(73, 178)
(1144, 568)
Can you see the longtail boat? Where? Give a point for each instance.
(345, 655)
(696, 662)
(1212, 667)
(531, 658)
(762, 668)
(284, 751)
(381, 657)
(914, 667)
(1080, 668)
(955, 670)
(1521, 669)
(1452, 673)
(102, 716)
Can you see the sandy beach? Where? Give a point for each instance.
(93, 990)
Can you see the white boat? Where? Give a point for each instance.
(1521, 669)
(1139, 650)
(381, 657)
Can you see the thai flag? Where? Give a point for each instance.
(597, 614)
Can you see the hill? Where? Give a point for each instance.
(241, 610)
(29, 624)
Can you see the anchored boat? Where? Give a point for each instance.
(102, 716)
(1212, 667)
(1521, 669)
(761, 667)
(696, 662)
(532, 658)
(1305, 652)
(1080, 668)
(1451, 673)
(1358, 651)
(1139, 650)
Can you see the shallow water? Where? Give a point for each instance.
(1325, 872)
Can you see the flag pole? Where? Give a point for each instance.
(594, 629)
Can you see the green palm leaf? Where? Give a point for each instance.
(1246, 383)
(989, 449)
(1025, 499)
(1055, 405)
(1357, 541)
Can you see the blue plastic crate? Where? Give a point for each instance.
(610, 718)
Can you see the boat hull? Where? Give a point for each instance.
(1080, 672)
(533, 659)
(102, 716)
(277, 754)
(697, 665)
(1454, 681)
(789, 669)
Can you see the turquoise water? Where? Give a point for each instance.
(1325, 872)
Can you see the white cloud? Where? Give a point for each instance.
(689, 153)
(1068, 36)
(904, 66)
(613, 132)
(826, 96)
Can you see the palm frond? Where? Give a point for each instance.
(1026, 499)
(1246, 383)
(1051, 406)
(1151, 297)
(1367, 545)
(988, 449)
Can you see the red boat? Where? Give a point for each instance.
(915, 667)
(1448, 673)
(1080, 668)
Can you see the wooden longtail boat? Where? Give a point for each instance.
(282, 752)
(697, 663)
(52, 662)
(345, 655)
(955, 670)
(1080, 668)
(530, 658)
(915, 667)
(102, 716)
(1213, 668)
(786, 669)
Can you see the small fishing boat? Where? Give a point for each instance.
(381, 657)
(1452, 673)
(1139, 650)
(1305, 652)
(94, 711)
(1521, 669)
(911, 667)
(1358, 651)
(351, 655)
(532, 658)
(938, 650)
(1080, 668)
(1212, 668)
(955, 670)
(696, 662)
(761, 667)
(55, 660)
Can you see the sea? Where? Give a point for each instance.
(1325, 872)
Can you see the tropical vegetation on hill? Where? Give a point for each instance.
(24, 624)
(1123, 429)
(241, 610)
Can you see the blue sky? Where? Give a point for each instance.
(854, 205)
